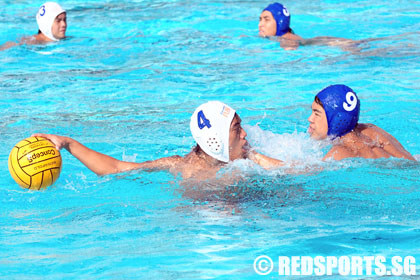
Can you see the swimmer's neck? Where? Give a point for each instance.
(349, 138)
(204, 159)
(42, 38)
(291, 36)
(353, 135)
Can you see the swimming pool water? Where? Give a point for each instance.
(125, 83)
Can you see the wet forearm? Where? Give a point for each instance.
(99, 163)
(265, 161)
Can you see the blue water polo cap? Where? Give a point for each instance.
(282, 17)
(342, 107)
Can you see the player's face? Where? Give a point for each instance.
(318, 124)
(59, 27)
(238, 145)
(267, 26)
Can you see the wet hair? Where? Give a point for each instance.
(235, 116)
(318, 101)
(197, 150)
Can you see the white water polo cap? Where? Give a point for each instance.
(46, 16)
(210, 126)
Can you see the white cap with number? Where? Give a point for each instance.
(210, 126)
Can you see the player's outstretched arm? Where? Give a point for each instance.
(102, 164)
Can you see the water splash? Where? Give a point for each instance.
(294, 147)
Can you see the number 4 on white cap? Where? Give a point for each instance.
(202, 120)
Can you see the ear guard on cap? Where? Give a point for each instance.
(210, 126)
(282, 17)
(341, 124)
(342, 107)
(213, 142)
(46, 16)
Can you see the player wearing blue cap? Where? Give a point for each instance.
(335, 115)
(215, 127)
(275, 21)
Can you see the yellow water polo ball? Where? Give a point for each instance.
(35, 163)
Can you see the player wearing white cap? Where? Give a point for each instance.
(52, 26)
(52, 22)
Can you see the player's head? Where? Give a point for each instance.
(52, 21)
(218, 132)
(335, 112)
(274, 21)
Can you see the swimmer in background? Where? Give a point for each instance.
(52, 26)
(220, 139)
(275, 21)
(335, 115)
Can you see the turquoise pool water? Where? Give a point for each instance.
(125, 83)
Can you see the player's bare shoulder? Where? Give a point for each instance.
(377, 135)
(380, 139)
(339, 152)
